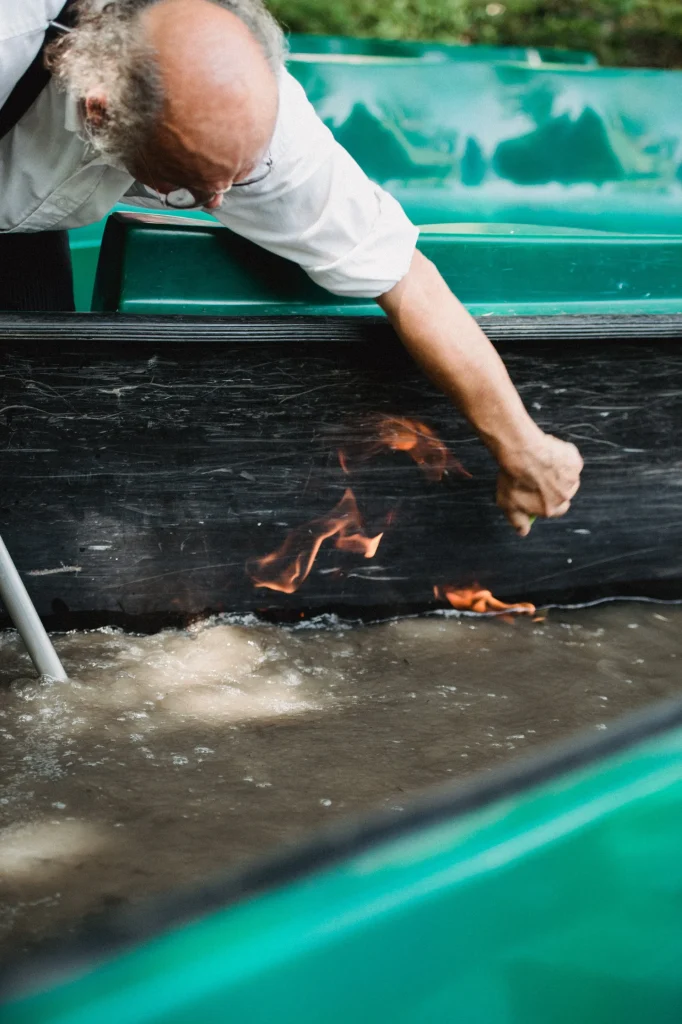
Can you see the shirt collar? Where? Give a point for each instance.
(73, 122)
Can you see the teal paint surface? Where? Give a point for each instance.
(205, 269)
(562, 903)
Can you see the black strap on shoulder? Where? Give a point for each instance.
(34, 79)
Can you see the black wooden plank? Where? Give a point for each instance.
(139, 478)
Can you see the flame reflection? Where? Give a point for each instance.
(286, 568)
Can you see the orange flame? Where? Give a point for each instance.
(286, 568)
(400, 434)
(474, 599)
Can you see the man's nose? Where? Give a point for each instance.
(216, 200)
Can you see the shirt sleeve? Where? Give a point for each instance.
(318, 208)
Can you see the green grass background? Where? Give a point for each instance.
(623, 32)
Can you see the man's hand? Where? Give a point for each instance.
(538, 482)
(539, 474)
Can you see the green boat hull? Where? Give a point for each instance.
(550, 893)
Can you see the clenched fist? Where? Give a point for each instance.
(540, 480)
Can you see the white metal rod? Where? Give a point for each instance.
(14, 596)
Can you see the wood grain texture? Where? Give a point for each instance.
(138, 479)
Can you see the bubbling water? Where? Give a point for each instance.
(165, 759)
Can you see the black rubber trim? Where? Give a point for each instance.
(130, 328)
(115, 932)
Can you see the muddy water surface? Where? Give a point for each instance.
(168, 758)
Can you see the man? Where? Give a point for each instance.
(178, 103)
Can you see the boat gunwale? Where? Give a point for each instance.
(130, 327)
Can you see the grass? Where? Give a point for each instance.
(623, 32)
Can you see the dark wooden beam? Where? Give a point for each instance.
(139, 477)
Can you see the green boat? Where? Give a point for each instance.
(549, 892)
(548, 192)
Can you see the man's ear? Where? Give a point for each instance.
(95, 110)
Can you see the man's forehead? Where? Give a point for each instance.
(181, 170)
(190, 170)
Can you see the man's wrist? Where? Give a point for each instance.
(513, 448)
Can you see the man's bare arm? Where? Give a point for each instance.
(539, 474)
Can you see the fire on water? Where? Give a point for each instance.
(287, 568)
(475, 599)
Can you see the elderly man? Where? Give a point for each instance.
(180, 103)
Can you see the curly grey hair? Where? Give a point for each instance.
(105, 53)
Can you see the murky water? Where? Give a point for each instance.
(166, 759)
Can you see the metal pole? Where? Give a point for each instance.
(15, 598)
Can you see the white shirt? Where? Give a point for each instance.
(315, 207)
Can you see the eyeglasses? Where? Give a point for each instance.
(194, 199)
